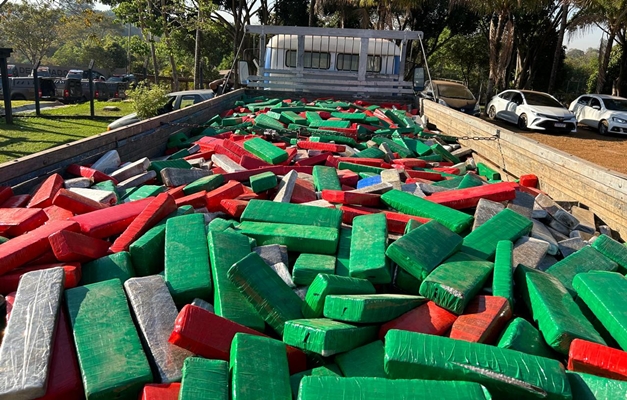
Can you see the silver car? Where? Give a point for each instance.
(607, 114)
(176, 101)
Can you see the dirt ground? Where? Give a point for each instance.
(607, 151)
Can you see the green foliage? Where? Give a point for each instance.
(108, 53)
(147, 99)
(291, 13)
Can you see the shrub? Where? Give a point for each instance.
(148, 99)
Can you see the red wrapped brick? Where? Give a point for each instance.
(468, 198)
(87, 172)
(16, 221)
(20, 200)
(73, 246)
(10, 281)
(427, 318)
(528, 180)
(233, 207)
(597, 359)
(315, 160)
(342, 197)
(76, 203)
(56, 213)
(161, 391)
(112, 220)
(483, 320)
(334, 148)
(5, 193)
(196, 200)
(431, 176)
(230, 190)
(46, 192)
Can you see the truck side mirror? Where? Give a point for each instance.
(419, 79)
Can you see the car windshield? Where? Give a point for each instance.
(539, 99)
(615, 104)
(455, 92)
(115, 79)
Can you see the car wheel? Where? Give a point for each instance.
(603, 128)
(522, 121)
(492, 113)
(18, 96)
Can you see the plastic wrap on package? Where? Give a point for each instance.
(277, 258)
(594, 358)
(520, 335)
(503, 276)
(506, 225)
(507, 374)
(338, 388)
(252, 379)
(455, 282)
(370, 308)
(26, 349)
(613, 250)
(592, 387)
(268, 293)
(364, 361)
(584, 260)
(327, 337)
(603, 293)
(155, 313)
(558, 317)
(203, 304)
(205, 380)
(110, 353)
(329, 369)
(225, 249)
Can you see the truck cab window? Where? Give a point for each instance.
(350, 62)
(311, 60)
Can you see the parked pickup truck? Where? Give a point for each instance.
(23, 88)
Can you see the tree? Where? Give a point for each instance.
(32, 30)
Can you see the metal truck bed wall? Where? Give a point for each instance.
(144, 139)
(561, 175)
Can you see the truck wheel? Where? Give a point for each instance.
(522, 122)
(604, 128)
(492, 113)
(18, 96)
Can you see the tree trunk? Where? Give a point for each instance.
(197, 73)
(558, 47)
(153, 54)
(605, 61)
(312, 12)
(622, 75)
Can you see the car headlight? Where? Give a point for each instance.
(440, 101)
(619, 120)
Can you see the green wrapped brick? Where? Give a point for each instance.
(220, 225)
(118, 265)
(370, 152)
(324, 285)
(308, 266)
(3, 239)
(407, 203)
(613, 250)
(424, 248)
(411, 225)
(506, 225)
(266, 291)
(263, 181)
(225, 249)
(603, 293)
(112, 361)
(488, 172)
(187, 271)
(364, 361)
(325, 370)
(142, 192)
(592, 387)
(325, 178)
(207, 183)
(368, 245)
(204, 379)
(327, 337)
(417, 147)
(555, 312)
(259, 368)
(455, 282)
(343, 252)
(451, 183)
(503, 278)
(338, 388)
(438, 149)
(505, 373)
(299, 238)
(357, 168)
(266, 122)
(470, 180)
(288, 213)
(402, 151)
(521, 336)
(147, 252)
(312, 116)
(266, 151)
(369, 308)
(330, 124)
(584, 260)
(357, 117)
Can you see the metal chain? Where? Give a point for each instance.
(478, 138)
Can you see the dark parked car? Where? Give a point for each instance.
(101, 91)
(68, 90)
(452, 94)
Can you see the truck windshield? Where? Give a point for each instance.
(615, 104)
(539, 99)
(455, 92)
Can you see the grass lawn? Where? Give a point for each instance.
(29, 135)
